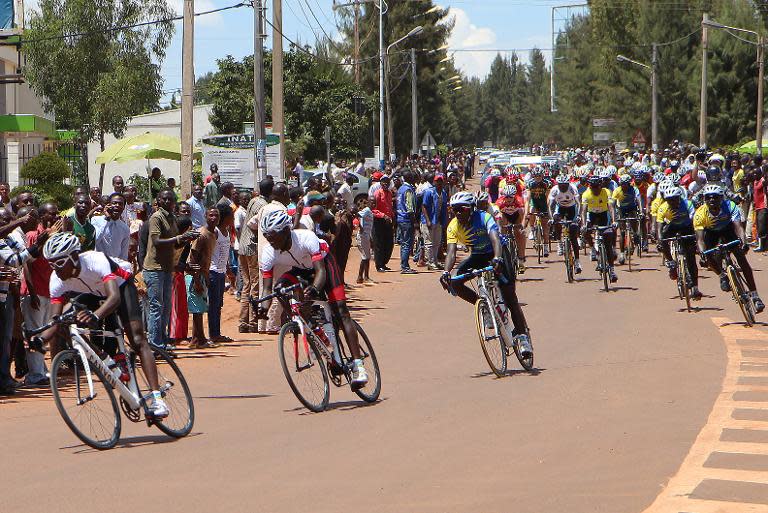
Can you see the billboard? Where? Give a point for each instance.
(233, 154)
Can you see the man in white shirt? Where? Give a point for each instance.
(113, 236)
(197, 203)
(299, 168)
(345, 191)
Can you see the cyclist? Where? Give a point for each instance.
(479, 231)
(597, 210)
(675, 217)
(110, 279)
(538, 189)
(718, 220)
(628, 202)
(511, 207)
(308, 258)
(563, 202)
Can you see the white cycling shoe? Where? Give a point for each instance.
(524, 344)
(359, 375)
(159, 409)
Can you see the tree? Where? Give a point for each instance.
(45, 175)
(91, 74)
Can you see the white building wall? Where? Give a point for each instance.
(165, 122)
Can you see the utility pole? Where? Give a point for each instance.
(187, 97)
(414, 107)
(278, 119)
(703, 108)
(357, 44)
(390, 132)
(381, 86)
(259, 133)
(760, 81)
(655, 98)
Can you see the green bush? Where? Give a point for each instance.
(46, 174)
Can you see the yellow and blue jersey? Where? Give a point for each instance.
(703, 219)
(476, 235)
(626, 200)
(677, 217)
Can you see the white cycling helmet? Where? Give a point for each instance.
(625, 179)
(672, 191)
(611, 169)
(509, 191)
(60, 245)
(482, 196)
(716, 158)
(275, 221)
(495, 172)
(463, 198)
(658, 177)
(563, 179)
(605, 173)
(712, 189)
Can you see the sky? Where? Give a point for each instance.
(479, 25)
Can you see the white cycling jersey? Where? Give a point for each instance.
(306, 248)
(566, 199)
(95, 271)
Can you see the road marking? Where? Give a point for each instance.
(726, 470)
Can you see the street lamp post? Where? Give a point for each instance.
(654, 92)
(707, 23)
(390, 133)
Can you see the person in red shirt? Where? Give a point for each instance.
(382, 224)
(761, 209)
(35, 297)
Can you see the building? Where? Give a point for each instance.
(166, 122)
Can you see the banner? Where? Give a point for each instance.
(233, 154)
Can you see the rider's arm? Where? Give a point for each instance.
(450, 257)
(700, 241)
(611, 213)
(56, 309)
(496, 243)
(740, 232)
(112, 302)
(319, 281)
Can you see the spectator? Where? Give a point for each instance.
(342, 240)
(227, 191)
(249, 262)
(406, 220)
(79, 223)
(118, 185)
(162, 237)
(156, 183)
(298, 169)
(179, 323)
(345, 191)
(212, 192)
(382, 224)
(95, 194)
(197, 277)
(112, 234)
(434, 219)
(218, 270)
(5, 190)
(761, 209)
(197, 205)
(364, 242)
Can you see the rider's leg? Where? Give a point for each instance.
(690, 261)
(350, 330)
(609, 238)
(516, 312)
(521, 240)
(138, 341)
(464, 292)
(573, 230)
(545, 228)
(746, 268)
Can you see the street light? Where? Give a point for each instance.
(706, 22)
(654, 92)
(415, 31)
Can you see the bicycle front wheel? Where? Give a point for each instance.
(683, 279)
(603, 259)
(491, 340)
(739, 291)
(176, 394)
(303, 367)
(94, 419)
(568, 260)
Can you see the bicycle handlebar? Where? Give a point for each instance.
(721, 247)
(282, 291)
(678, 237)
(472, 274)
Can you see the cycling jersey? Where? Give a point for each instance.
(537, 192)
(477, 235)
(306, 248)
(509, 205)
(681, 216)
(595, 203)
(95, 271)
(569, 198)
(704, 220)
(626, 200)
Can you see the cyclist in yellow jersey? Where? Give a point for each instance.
(597, 210)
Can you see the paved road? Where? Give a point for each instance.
(626, 383)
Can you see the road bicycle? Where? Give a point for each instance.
(311, 352)
(568, 256)
(627, 238)
(494, 323)
(735, 278)
(538, 235)
(684, 279)
(509, 243)
(602, 253)
(84, 385)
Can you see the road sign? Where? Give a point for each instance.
(602, 136)
(600, 122)
(429, 141)
(639, 139)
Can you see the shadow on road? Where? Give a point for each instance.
(236, 396)
(340, 406)
(509, 373)
(131, 442)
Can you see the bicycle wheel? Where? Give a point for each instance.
(511, 247)
(683, 280)
(176, 394)
(603, 259)
(94, 420)
(526, 363)
(539, 238)
(739, 291)
(490, 339)
(568, 260)
(630, 250)
(303, 367)
(370, 392)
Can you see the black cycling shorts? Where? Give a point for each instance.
(479, 261)
(567, 213)
(714, 237)
(597, 218)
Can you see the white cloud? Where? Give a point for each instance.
(209, 20)
(467, 35)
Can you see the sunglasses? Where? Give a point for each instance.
(61, 263)
(462, 208)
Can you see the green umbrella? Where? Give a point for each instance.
(144, 146)
(751, 147)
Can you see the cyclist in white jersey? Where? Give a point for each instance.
(110, 279)
(563, 202)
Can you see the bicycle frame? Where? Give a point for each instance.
(489, 295)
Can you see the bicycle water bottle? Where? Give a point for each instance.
(122, 366)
